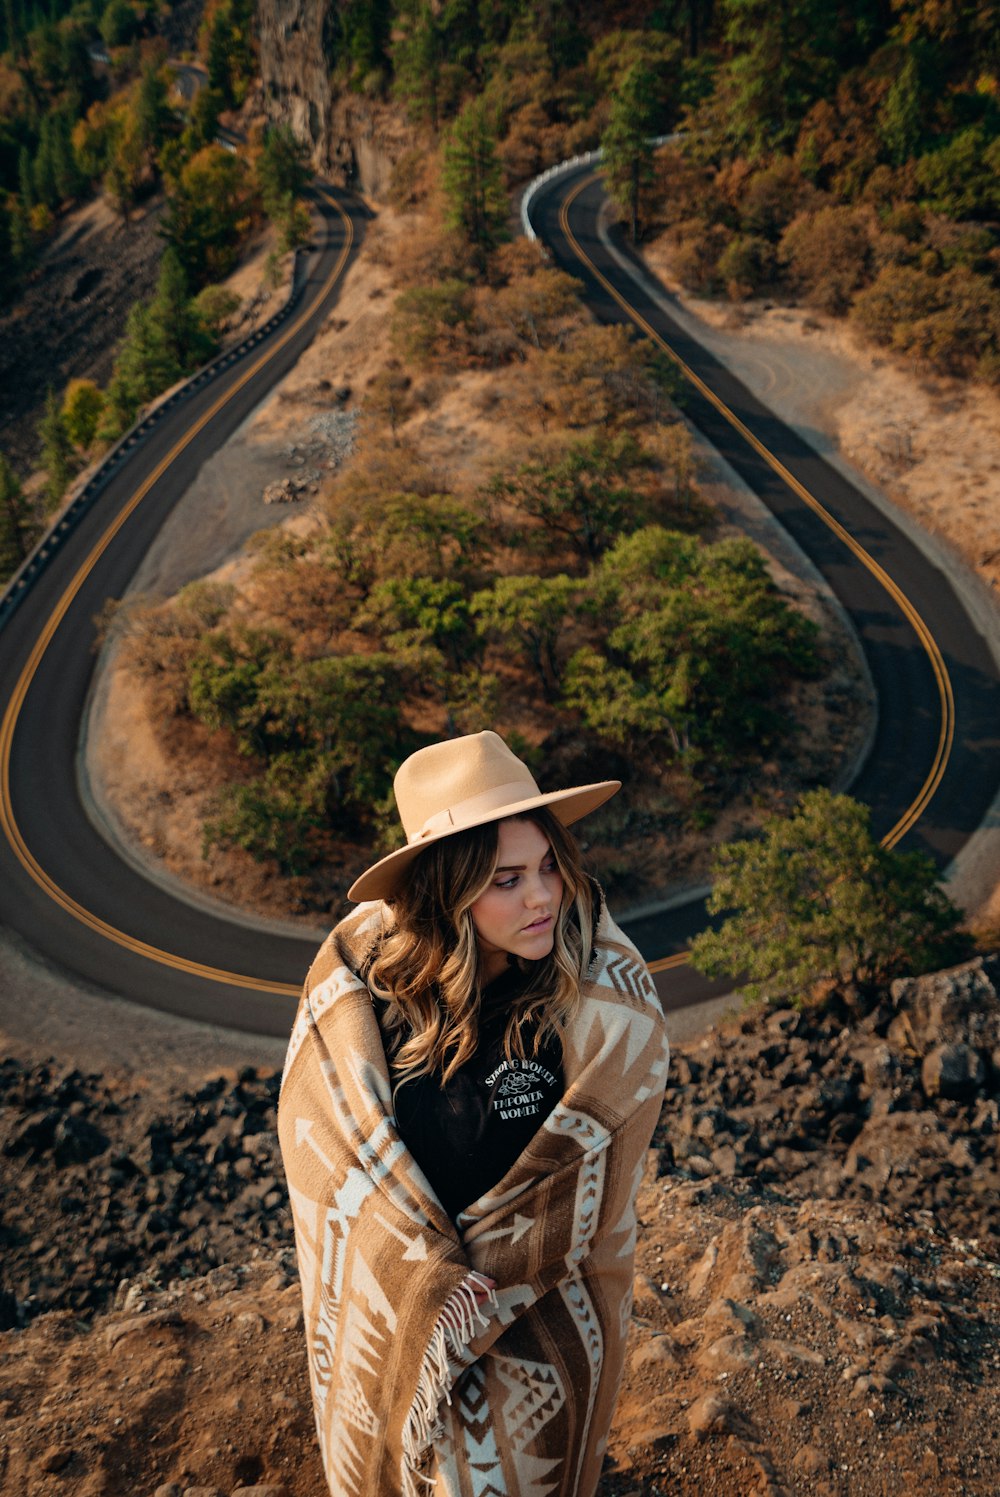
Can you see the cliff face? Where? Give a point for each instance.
(353, 138)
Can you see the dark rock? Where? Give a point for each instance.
(76, 1140)
(34, 1135)
(954, 1071)
(56, 1457)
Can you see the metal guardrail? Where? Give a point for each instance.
(589, 158)
(63, 525)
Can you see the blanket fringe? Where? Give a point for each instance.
(455, 1327)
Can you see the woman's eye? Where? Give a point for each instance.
(506, 883)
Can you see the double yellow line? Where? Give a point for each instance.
(946, 696)
(8, 820)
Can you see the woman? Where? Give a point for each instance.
(471, 1084)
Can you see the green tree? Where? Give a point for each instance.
(365, 27)
(283, 171)
(960, 178)
(473, 179)
(210, 209)
(229, 49)
(902, 118)
(418, 56)
(44, 167)
(153, 115)
(583, 496)
(627, 153)
(67, 176)
(226, 679)
(123, 163)
(529, 613)
(816, 896)
(26, 179)
(174, 317)
(118, 24)
(203, 120)
(698, 647)
(83, 404)
(781, 60)
(164, 339)
(432, 321)
(414, 612)
(280, 814)
(215, 307)
(145, 365)
(57, 450)
(121, 406)
(330, 732)
(17, 525)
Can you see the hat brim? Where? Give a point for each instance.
(382, 879)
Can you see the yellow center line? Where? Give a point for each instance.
(8, 819)
(946, 696)
(667, 963)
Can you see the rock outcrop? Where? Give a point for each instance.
(351, 136)
(900, 1105)
(817, 1293)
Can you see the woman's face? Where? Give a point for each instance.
(517, 914)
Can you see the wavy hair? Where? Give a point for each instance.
(427, 967)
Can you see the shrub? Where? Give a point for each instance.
(899, 295)
(82, 407)
(746, 264)
(827, 254)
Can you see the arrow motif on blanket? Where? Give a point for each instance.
(416, 1247)
(521, 1225)
(303, 1133)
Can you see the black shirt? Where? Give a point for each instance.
(466, 1135)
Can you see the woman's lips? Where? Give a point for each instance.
(539, 924)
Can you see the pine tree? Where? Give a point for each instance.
(152, 113)
(282, 171)
(16, 522)
(473, 180)
(26, 179)
(57, 450)
(901, 121)
(628, 155)
(174, 323)
(417, 58)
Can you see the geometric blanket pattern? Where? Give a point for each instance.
(416, 1388)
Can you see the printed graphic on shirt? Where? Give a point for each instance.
(525, 1085)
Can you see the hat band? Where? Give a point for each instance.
(465, 812)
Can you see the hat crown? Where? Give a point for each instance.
(447, 784)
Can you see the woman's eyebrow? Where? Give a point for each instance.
(520, 867)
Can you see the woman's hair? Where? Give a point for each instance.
(427, 967)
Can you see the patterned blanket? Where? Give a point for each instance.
(417, 1385)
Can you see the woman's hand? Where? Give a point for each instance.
(483, 1290)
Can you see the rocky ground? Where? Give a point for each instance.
(69, 320)
(817, 1292)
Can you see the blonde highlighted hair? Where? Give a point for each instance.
(427, 966)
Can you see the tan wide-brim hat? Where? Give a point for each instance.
(461, 783)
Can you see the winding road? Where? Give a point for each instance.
(932, 774)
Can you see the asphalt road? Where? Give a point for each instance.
(934, 766)
(934, 763)
(61, 885)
